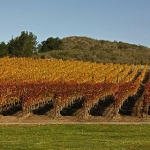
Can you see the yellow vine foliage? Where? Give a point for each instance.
(18, 70)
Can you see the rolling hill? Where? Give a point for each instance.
(93, 50)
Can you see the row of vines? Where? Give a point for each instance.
(32, 83)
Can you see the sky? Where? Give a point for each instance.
(121, 20)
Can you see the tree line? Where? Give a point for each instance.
(26, 45)
(75, 48)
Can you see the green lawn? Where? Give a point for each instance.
(101, 137)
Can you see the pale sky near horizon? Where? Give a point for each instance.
(120, 20)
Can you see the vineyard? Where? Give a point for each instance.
(73, 88)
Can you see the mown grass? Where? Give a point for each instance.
(102, 137)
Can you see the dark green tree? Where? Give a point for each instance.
(50, 44)
(3, 49)
(23, 45)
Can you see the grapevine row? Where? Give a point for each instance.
(32, 83)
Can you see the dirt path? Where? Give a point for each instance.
(44, 120)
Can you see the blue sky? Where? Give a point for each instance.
(120, 20)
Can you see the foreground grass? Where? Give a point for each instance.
(45, 137)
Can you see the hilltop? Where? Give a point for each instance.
(89, 49)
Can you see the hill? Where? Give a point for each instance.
(88, 49)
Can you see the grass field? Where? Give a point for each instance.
(45, 137)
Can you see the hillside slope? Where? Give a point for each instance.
(88, 49)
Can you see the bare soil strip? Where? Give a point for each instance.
(45, 120)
